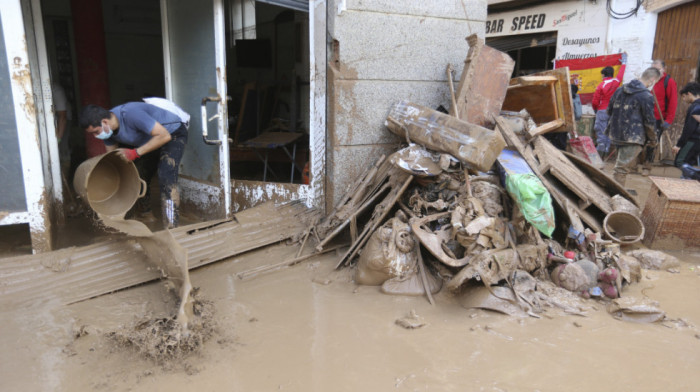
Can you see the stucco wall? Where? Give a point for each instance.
(379, 52)
(634, 35)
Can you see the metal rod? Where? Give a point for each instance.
(288, 263)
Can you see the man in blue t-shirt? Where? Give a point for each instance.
(152, 137)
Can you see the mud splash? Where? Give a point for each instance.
(166, 339)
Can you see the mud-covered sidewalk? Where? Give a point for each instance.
(310, 327)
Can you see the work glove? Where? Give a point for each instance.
(664, 125)
(130, 154)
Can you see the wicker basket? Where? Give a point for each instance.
(672, 214)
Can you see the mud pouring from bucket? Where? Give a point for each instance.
(111, 185)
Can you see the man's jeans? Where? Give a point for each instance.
(602, 140)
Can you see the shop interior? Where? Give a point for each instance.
(267, 56)
(532, 52)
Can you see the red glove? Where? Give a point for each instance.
(130, 154)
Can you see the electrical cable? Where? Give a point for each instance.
(622, 15)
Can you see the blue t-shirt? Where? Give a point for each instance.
(137, 119)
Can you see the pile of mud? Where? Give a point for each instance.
(166, 339)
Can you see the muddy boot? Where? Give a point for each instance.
(169, 213)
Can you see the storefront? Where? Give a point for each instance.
(536, 36)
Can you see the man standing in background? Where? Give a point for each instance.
(666, 95)
(631, 124)
(601, 99)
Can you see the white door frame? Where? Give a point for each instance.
(221, 101)
(317, 104)
(28, 133)
(314, 193)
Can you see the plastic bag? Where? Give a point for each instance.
(533, 199)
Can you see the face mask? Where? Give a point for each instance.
(104, 135)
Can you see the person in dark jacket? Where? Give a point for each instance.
(688, 146)
(631, 123)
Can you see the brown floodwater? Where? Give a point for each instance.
(310, 327)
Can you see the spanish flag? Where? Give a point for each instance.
(585, 73)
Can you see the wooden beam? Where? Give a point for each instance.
(547, 127)
(530, 80)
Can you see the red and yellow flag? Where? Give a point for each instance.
(585, 73)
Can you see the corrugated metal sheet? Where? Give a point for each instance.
(75, 274)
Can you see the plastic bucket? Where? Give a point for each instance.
(623, 227)
(110, 184)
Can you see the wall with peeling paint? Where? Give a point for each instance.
(380, 52)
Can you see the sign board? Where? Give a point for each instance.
(580, 25)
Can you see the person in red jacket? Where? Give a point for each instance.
(666, 97)
(666, 92)
(601, 99)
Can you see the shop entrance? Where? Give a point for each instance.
(532, 52)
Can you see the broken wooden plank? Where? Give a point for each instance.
(400, 182)
(601, 178)
(288, 263)
(528, 80)
(573, 178)
(547, 127)
(483, 84)
(74, 274)
(526, 152)
(365, 187)
(473, 145)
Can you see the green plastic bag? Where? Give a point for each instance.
(534, 201)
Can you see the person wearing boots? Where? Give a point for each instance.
(152, 137)
(631, 123)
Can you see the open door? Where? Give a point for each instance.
(195, 78)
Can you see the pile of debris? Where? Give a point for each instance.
(480, 195)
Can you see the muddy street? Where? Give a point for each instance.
(310, 327)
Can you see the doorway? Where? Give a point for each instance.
(268, 80)
(254, 60)
(532, 52)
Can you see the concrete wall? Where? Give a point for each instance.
(382, 51)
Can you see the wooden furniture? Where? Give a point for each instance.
(270, 140)
(547, 98)
(483, 84)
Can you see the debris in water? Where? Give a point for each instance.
(411, 321)
(165, 339)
